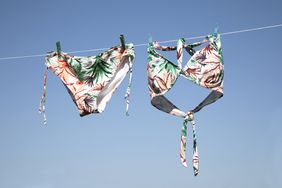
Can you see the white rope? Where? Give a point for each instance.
(144, 44)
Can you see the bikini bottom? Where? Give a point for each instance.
(91, 80)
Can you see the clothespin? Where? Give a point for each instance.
(150, 39)
(122, 41)
(150, 43)
(215, 31)
(58, 45)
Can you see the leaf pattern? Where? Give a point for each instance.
(205, 68)
(85, 77)
(162, 74)
(99, 71)
(74, 64)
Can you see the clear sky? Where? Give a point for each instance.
(239, 137)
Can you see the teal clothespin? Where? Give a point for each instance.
(122, 41)
(150, 39)
(150, 43)
(215, 32)
(58, 45)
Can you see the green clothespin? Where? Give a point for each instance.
(58, 45)
(122, 41)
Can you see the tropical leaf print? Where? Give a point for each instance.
(98, 72)
(171, 68)
(86, 76)
(75, 65)
(205, 67)
(150, 58)
(200, 58)
(161, 72)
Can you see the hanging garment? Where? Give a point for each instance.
(205, 68)
(91, 80)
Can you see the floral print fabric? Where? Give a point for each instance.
(92, 80)
(204, 68)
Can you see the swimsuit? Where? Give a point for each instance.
(91, 80)
(205, 68)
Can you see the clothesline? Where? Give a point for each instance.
(144, 44)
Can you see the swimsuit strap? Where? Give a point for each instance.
(157, 46)
(179, 52)
(190, 47)
(189, 117)
(128, 90)
(178, 48)
(43, 98)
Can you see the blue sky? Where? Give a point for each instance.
(239, 136)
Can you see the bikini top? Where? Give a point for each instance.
(205, 68)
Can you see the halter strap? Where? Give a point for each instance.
(157, 46)
(179, 48)
(179, 51)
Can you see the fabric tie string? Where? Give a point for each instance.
(41, 109)
(189, 117)
(128, 90)
(179, 52)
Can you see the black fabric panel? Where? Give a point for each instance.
(190, 50)
(211, 98)
(163, 104)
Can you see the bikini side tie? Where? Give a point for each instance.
(128, 90)
(41, 109)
